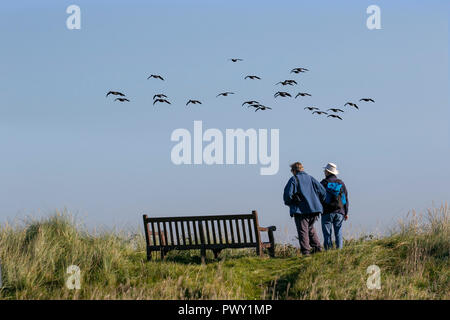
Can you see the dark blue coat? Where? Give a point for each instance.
(313, 193)
(333, 178)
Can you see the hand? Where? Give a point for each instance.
(345, 217)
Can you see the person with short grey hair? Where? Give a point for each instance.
(304, 196)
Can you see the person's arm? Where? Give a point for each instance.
(346, 200)
(288, 192)
(320, 190)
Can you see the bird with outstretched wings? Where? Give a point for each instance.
(115, 93)
(155, 76)
(367, 100)
(224, 94)
(282, 94)
(159, 95)
(302, 94)
(122, 99)
(252, 77)
(352, 105)
(193, 102)
(335, 110)
(161, 101)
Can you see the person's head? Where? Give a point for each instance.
(330, 169)
(296, 167)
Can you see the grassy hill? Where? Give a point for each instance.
(414, 263)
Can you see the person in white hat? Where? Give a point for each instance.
(335, 207)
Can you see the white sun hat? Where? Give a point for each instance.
(331, 168)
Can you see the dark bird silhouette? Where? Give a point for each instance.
(261, 107)
(236, 59)
(250, 102)
(252, 77)
(335, 110)
(282, 94)
(287, 82)
(160, 95)
(367, 100)
(161, 100)
(334, 116)
(298, 70)
(193, 102)
(352, 105)
(224, 94)
(122, 99)
(310, 108)
(255, 105)
(302, 94)
(115, 93)
(156, 76)
(319, 112)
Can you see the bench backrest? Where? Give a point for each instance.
(196, 232)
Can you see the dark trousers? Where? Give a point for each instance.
(307, 235)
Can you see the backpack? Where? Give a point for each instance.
(335, 199)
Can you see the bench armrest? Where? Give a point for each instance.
(271, 228)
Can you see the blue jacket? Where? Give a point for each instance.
(313, 193)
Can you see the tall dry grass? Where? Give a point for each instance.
(414, 263)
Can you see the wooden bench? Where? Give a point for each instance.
(214, 233)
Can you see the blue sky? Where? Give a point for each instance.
(63, 144)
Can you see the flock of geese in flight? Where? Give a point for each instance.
(330, 113)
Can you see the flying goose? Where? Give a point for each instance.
(115, 93)
(282, 94)
(367, 100)
(224, 94)
(351, 104)
(302, 94)
(156, 76)
(193, 102)
(335, 110)
(161, 100)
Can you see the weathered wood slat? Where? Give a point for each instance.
(172, 242)
(153, 233)
(249, 223)
(194, 225)
(188, 226)
(238, 232)
(207, 231)
(225, 230)
(183, 234)
(166, 240)
(244, 230)
(232, 231)
(177, 233)
(213, 231)
(220, 231)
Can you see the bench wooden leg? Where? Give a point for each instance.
(203, 255)
(216, 253)
(272, 243)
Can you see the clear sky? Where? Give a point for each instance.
(63, 144)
